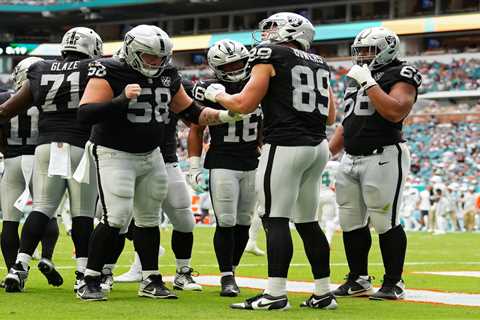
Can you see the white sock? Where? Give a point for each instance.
(276, 286)
(137, 264)
(322, 286)
(182, 263)
(234, 268)
(146, 274)
(92, 273)
(109, 266)
(81, 264)
(228, 273)
(24, 259)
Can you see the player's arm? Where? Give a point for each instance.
(192, 112)
(195, 140)
(336, 142)
(20, 101)
(393, 106)
(396, 105)
(195, 148)
(331, 107)
(252, 94)
(98, 104)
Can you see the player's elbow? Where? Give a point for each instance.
(331, 120)
(396, 116)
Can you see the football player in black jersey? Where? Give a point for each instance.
(177, 208)
(293, 88)
(380, 93)
(127, 100)
(55, 87)
(20, 135)
(231, 159)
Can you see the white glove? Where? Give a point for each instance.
(213, 90)
(229, 116)
(194, 173)
(362, 75)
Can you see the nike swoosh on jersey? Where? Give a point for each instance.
(382, 163)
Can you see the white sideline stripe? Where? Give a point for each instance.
(413, 295)
(475, 274)
(339, 264)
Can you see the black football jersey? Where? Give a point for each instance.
(295, 108)
(365, 129)
(142, 127)
(232, 145)
(168, 146)
(21, 131)
(56, 87)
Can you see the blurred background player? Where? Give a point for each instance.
(442, 208)
(232, 161)
(411, 197)
(55, 87)
(255, 226)
(20, 135)
(328, 208)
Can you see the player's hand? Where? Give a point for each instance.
(132, 90)
(213, 90)
(229, 116)
(362, 75)
(194, 172)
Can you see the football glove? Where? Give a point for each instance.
(229, 116)
(213, 90)
(362, 75)
(194, 172)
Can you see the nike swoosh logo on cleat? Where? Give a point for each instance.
(316, 301)
(263, 305)
(351, 292)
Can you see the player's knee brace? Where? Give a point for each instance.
(244, 218)
(179, 198)
(183, 220)
(226, 220)
(159, 186)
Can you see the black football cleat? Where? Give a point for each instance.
(263, 302)
(47, 268)
(229, 286)
(355, 287)
(325, 301)
(390, 291)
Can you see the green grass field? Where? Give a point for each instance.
(452, 252)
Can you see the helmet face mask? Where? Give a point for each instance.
(82, 40)
(364, 54)
(286, 27)
(228, 60)
(19, 74)
(375, 47)
(143, 45)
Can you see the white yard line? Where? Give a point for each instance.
(474, 274)
(413, 295)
